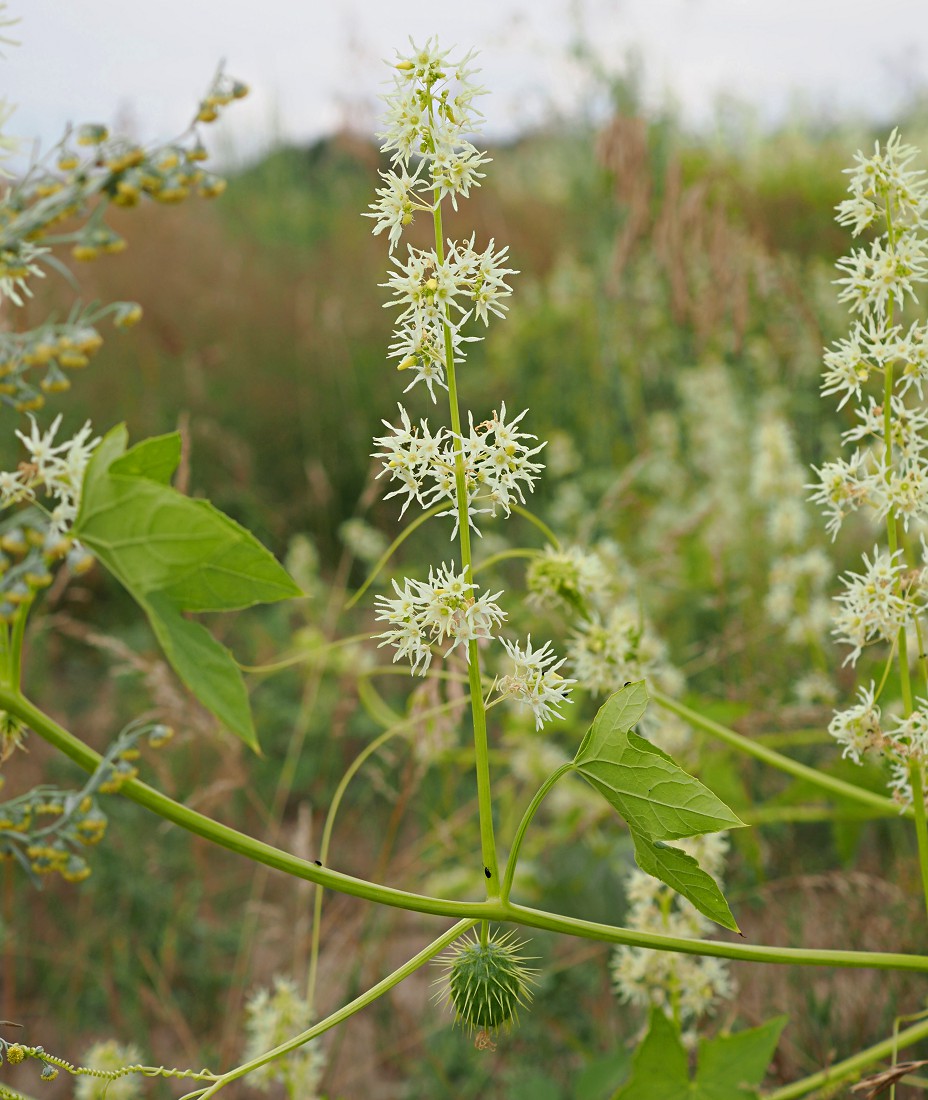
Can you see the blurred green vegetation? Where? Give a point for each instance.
(645, 254)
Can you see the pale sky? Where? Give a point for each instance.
(311, 63)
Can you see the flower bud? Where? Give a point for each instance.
(92, 134)
(127, 314)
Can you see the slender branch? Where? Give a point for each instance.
(350, 1009)
(391, 550)
(504, 555)
(513, 859)
(350, 773)
(776, 760)
(18, 634)
(540, 524)
(490, 910)
(852, 1066)
(917, 779)
(478, 709)
(741, 952)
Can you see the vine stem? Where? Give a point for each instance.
(491, 910)
(524, 824)
(840, 1071)
(350, 1009)
(350, 772)
(478, 708)
(916, 777)
(776, 760)
(390, 551)
(363, 756)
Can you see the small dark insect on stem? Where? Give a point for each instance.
(486, 871)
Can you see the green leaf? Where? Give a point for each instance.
(730, 1067)
(110, 448)
(733, 1066)
(600, 1077)
(174, 554)
(656, 797)
(155, 458)
(207, 668)
(155, 539)
(660, 1067)
(619, 713)
(682, 873)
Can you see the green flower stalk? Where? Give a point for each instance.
(883, 367)
(487, 467)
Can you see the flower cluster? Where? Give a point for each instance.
(440, 610)
(888, 471)
(57, 468)
(570, 579)
(89, 169)
(903, 741)
(497, 463)
(429, 113)
(686, 987)
(110, 1058)
(273, 1017)
(535, 680)
(877, 603)
(610, 650)
(46, 830)
(491, 465)
(882, 367)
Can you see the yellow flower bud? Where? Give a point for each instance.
(92, 134)
(73, 360)
(39, 354)
(127, 314)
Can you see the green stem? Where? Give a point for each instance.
(490, 910)
(840, 1071)
(363, 756)
(521, 510)
(892, 539)
(917, 779)
(783, 763)
(504, 555)
(350, 773)
(391, 550)
(795, 956)
(350, 1009)
(478, 708)
(15, 653)
(770, 815)
(4, 653)
(229, 838)
(513, 859)
(306, 656)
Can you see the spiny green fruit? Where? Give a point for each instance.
(486, 983)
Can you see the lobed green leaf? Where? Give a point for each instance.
(681, 872)
(657, 798)
(729, 1067)
(174, 554)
